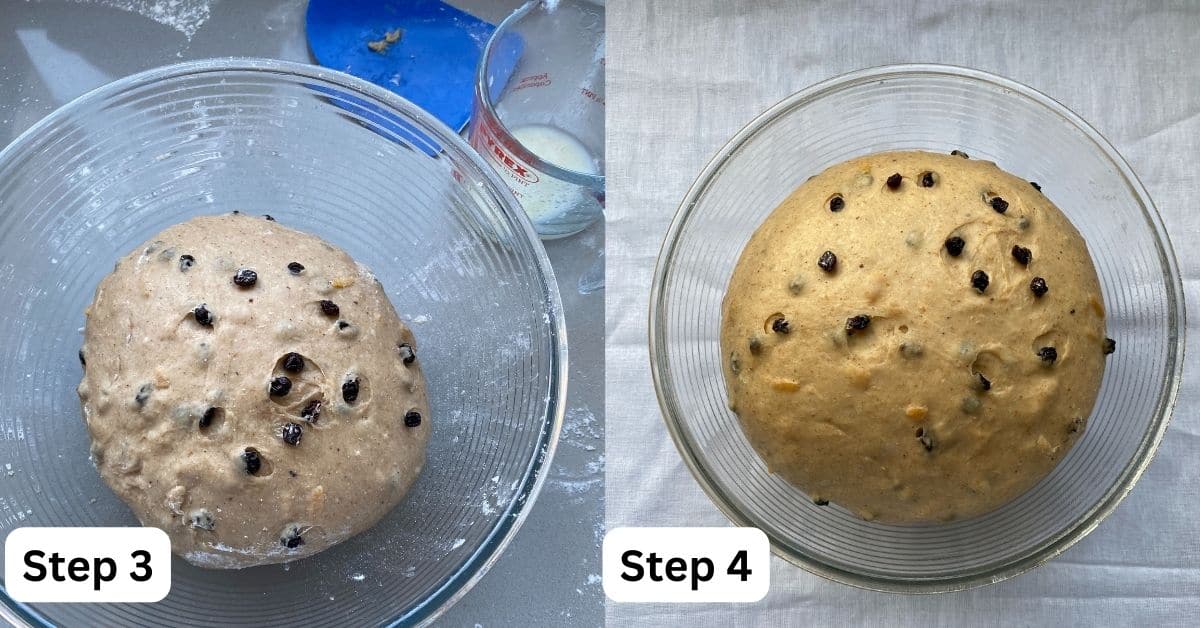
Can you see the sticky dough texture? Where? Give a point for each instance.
(892, 421)
(352, 464)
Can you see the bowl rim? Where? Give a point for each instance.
(510, 521)
(1057, 543)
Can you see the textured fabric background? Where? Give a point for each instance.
(683, 77)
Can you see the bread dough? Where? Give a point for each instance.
(174, 395)
(902, 384)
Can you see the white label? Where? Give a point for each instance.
(686, 565)
(87, 564)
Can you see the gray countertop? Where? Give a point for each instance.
(53, 51)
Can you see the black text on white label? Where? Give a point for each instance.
(686, 565)
(87, 564)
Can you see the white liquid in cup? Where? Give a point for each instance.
(552, 198)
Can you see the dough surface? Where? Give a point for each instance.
(891, 384)
(174, 395)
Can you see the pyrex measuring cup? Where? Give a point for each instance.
(539, 112)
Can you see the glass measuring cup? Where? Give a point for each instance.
(538, 117)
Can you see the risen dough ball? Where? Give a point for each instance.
(192, 422)
(917, 377)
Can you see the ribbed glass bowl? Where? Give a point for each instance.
(933, 108)
(360, 167)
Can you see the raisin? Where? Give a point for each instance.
(857, 323)
(350, 390)
(201, 519)
(959, 153)
(828, 261)
(280, 386)
(207, 418)
(252, 460)
(312, 411)
(186, 262)
(1022, 254)
(82, 360)
(245, 277)
(143, 394)
(291, 433)
(1048, 355)
(926, 180)
(1110, 346)
(954, 246)
(293, 362)
(269, 217)
(999, 204)
(979, 281)
(924, 438)
(893, 182)
(295, 268)
(781, 326)
(1035, 186)
(1039, 287)
(407, 353)
(203, 315)
(329, 308)
(821, 501)
(412, 418)
(837, 204)
(291, 537)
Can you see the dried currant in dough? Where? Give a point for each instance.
(293, 362)
(1038, 287)
(955, 245)
(295, 268)
(837, 203)
(1022, 254)
(252, 461)
(412, 418)
(245, 278)
(350, 390)
(857, 324)
(979, 281)
(1048, 355)
(202, 315)
(329, 308)
(893, 182)
(280, 386)
(291, 433)
(186, 262)
(827, 261)
(407, 354)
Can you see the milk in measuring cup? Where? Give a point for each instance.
(549, 199)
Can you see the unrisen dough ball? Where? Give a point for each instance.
(250, 390)
(916, 337)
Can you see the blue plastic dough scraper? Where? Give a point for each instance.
(423, 50)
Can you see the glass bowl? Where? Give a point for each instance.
(360, 167)
(933, 108)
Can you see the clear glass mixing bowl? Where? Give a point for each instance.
(934, 108)
(360, 167)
